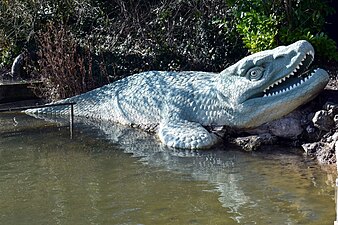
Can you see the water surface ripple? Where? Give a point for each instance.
(109, 174)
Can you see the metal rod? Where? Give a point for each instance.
(71, 122)
(336, 186)
(71, 119)
(35, 107)
(336, 200)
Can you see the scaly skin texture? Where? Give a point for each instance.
(179, 105)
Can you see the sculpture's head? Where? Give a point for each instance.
(269, 84)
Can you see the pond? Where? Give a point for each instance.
(108, 174)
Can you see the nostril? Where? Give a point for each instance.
(285, 54)
(279, 56)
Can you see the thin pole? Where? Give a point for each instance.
(336, 201)
(336, 187)
(71, 122)
(34, 107)
(71, 117)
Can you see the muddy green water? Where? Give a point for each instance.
(112, 175)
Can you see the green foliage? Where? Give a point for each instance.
(305, 20)
(325, 46)
(266, 24)
(305, 14)
(126, 37)
(258, 31)
(5, 55)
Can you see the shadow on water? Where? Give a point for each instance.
(222, 185)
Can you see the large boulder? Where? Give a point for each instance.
(323, 120)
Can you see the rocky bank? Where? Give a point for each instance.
(313, 127)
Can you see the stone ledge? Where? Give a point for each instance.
(13, 92)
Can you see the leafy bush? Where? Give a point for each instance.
(267, 24)
(258, 30)
(118, 38)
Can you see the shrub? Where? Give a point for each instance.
(133, 35)
(267, 24)
(258, 31)
(169, 35)
(64, 68)
(102, 41)
(20, 20)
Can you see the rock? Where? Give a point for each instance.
(310, 148)
(249, 143)
(335, 119)
(323, 121)
(326, 154)
(254, 142)
(289, 126)
(336, 149)
(323, 152)
(332, 138)
(331, 107)
(335, 136)
(310, 129)
(286, 128)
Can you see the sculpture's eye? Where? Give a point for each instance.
(255, 73)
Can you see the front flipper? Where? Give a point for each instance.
(185, 134)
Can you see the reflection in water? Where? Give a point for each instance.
(89, 180)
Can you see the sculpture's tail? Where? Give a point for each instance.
(85, 104)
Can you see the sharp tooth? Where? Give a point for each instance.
(269, 94)
(287, 89)
(284, 78)
(301, 81)
(297, 68)
(280, 81)
(294, 86)
(264, 95)
(306, 78)
(301, 63)
(312, 53)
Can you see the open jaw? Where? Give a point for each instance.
(300, 74)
